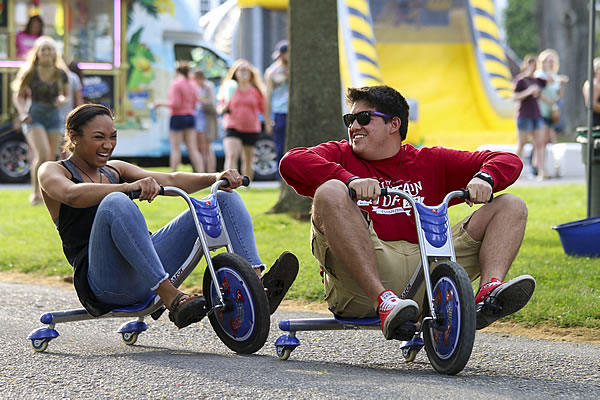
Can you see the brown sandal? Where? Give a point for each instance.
(188, 311)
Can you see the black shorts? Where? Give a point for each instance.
(247, 138)
(181, 122)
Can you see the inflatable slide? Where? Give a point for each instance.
(445, 54)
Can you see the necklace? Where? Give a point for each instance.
(89, 177)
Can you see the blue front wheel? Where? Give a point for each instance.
(449, 340)
(243, 325)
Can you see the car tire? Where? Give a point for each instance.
(14, 162)
(265, 159)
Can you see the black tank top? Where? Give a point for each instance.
(74, 227)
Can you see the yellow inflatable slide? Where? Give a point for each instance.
(444, 54)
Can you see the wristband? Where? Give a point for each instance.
(351, 179)
(484, 176)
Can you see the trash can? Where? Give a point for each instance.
(582, 137)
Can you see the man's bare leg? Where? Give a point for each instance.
(500, 226)
(347, 232)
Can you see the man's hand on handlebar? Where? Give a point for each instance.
(234, 178)
(480, 191)
(366, 188)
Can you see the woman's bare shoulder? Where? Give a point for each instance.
(52, 168)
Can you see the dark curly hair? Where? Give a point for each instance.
(384, 99)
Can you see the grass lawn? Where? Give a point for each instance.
(568, 288)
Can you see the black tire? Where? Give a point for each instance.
(244, 325)
(264, 160)
(14, 163)
(449, 341)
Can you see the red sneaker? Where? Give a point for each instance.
(497, 299)
(394, 312)
(486, 289)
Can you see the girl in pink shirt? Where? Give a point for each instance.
(183, 95)
(26, 38)
(241, 99)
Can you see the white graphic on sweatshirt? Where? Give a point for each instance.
(390, 205)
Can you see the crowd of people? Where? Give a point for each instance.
(249, 104)
(46, 90)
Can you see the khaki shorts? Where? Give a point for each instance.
(397, 262)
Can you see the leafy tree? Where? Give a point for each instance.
(521, 27)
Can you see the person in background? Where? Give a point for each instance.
(183, 95)
(596, 93)
(529, 120)
(206, 120)
(547, 68)
(241, 99)
(43, 78)
(276, 105)
(27, 37)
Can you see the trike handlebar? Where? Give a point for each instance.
(135, 194)
(462, 194)
(223, 183)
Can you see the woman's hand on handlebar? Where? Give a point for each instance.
(234, 178)
(148, 187)
(366, 188)
(480, 192)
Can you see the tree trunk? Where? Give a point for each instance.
(315, 92)
(563, 26)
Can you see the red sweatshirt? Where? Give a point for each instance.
(427, 174)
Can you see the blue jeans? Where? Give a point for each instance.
(279, 137)
(127, 263)
(529, 124)
(279, 134)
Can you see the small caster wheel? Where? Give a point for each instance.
(410, 354)
(284, 352)
(39, 345)
(129, 338)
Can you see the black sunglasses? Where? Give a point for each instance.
(363, 117)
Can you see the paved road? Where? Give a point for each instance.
(89, 361)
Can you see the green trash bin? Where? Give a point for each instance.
(582, 137)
